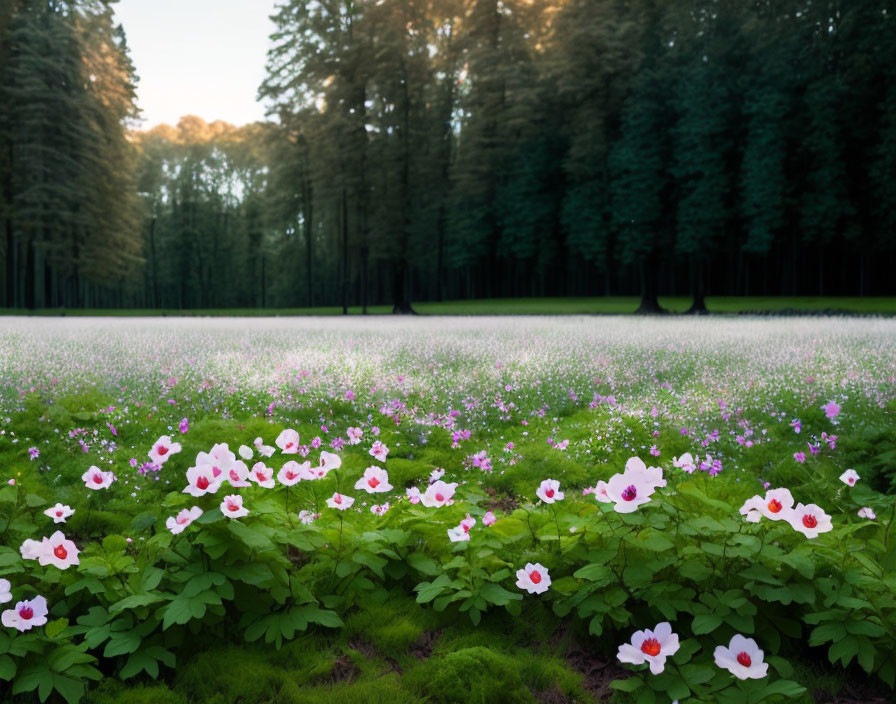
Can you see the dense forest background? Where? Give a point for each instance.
(450, 149)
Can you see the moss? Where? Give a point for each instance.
(475, 675)
(390, 628)
(233, 675)
(112, 692)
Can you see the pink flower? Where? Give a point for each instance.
(379, 510)
(850, 477)
(176, 524)
(489, 519)
(262, 475)
(293, 472)
(34, 453)
(5, 593)
(237, 475)
(201, 480)
(634, 486)
(26, 615)
(549, 491)
(183, 426)
(685, 463)
(413, 494)
(810, 520)
(799, 457)
(866, 512)
(162, 449)
(438, 494)
(263, 450)
(58, 551)
(95, 478)
(776, 506)
(742, 658)
(354, 435)
(533, 578)
(31, 549)
(288, 442)
(340, 501)
(232, 506)
(652, 647)
(374, 481)
(219, 458)
(379, 451)
(59, 513)
(831, 410)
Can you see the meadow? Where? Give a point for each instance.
(529, 509)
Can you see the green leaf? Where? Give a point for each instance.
(423, 564)
(33, 500)
(70, 689)
(132, 602)
(497, 595)
(705, 623)
(600, 574)
(7, 668)
(54, 628)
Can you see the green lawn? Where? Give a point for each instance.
(527, 306)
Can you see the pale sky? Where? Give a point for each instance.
(198, 57)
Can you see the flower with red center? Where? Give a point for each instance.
(59, 512)
(95, 478)
(288, 442)
(849, 477)
(58, 551)
(776, 506)
(340, 501)
(262, 475)
(237, 475)
(293, 472)
(201, 480)
(374, 481)
(379, 451)
(652, 647)
(26, 615)
(742, 658)
(533, 578)
(232, 506)
(628, 491)
(328, 462)
(162, 449)
(176, 524)
(549, 491)
(219, 458)
(810, 520)
(438, 494)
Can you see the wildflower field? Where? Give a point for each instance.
(447, 510)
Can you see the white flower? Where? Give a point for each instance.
(549, 491)
(59, 512)
(628, 491)
(26, 614)
(742, 658)
(58, 551)
(379, 451)
(162, 449)
(649, 475)
(176, 524)
(246, 452)
(866, 512)
(354, 435)
(652, 647)
(262, 475)
(5, 593)
(533, 578)
(288, 442)
(810, 520)
(685, 463)
(374, 481)
(850, 477)
(232, 506)
(263, 450)
(776, 506)
(95, 478)
(438, 494)
(340, 501)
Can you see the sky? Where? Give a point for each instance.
(197, 57)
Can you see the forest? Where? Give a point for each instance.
(421, 150)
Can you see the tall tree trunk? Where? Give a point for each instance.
(698, 288)
(650, 304)
(344, 252)
(365, 255)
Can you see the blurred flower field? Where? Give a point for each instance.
(447, 510)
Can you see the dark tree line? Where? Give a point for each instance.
(445, 149)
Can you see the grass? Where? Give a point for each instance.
(611, 305)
